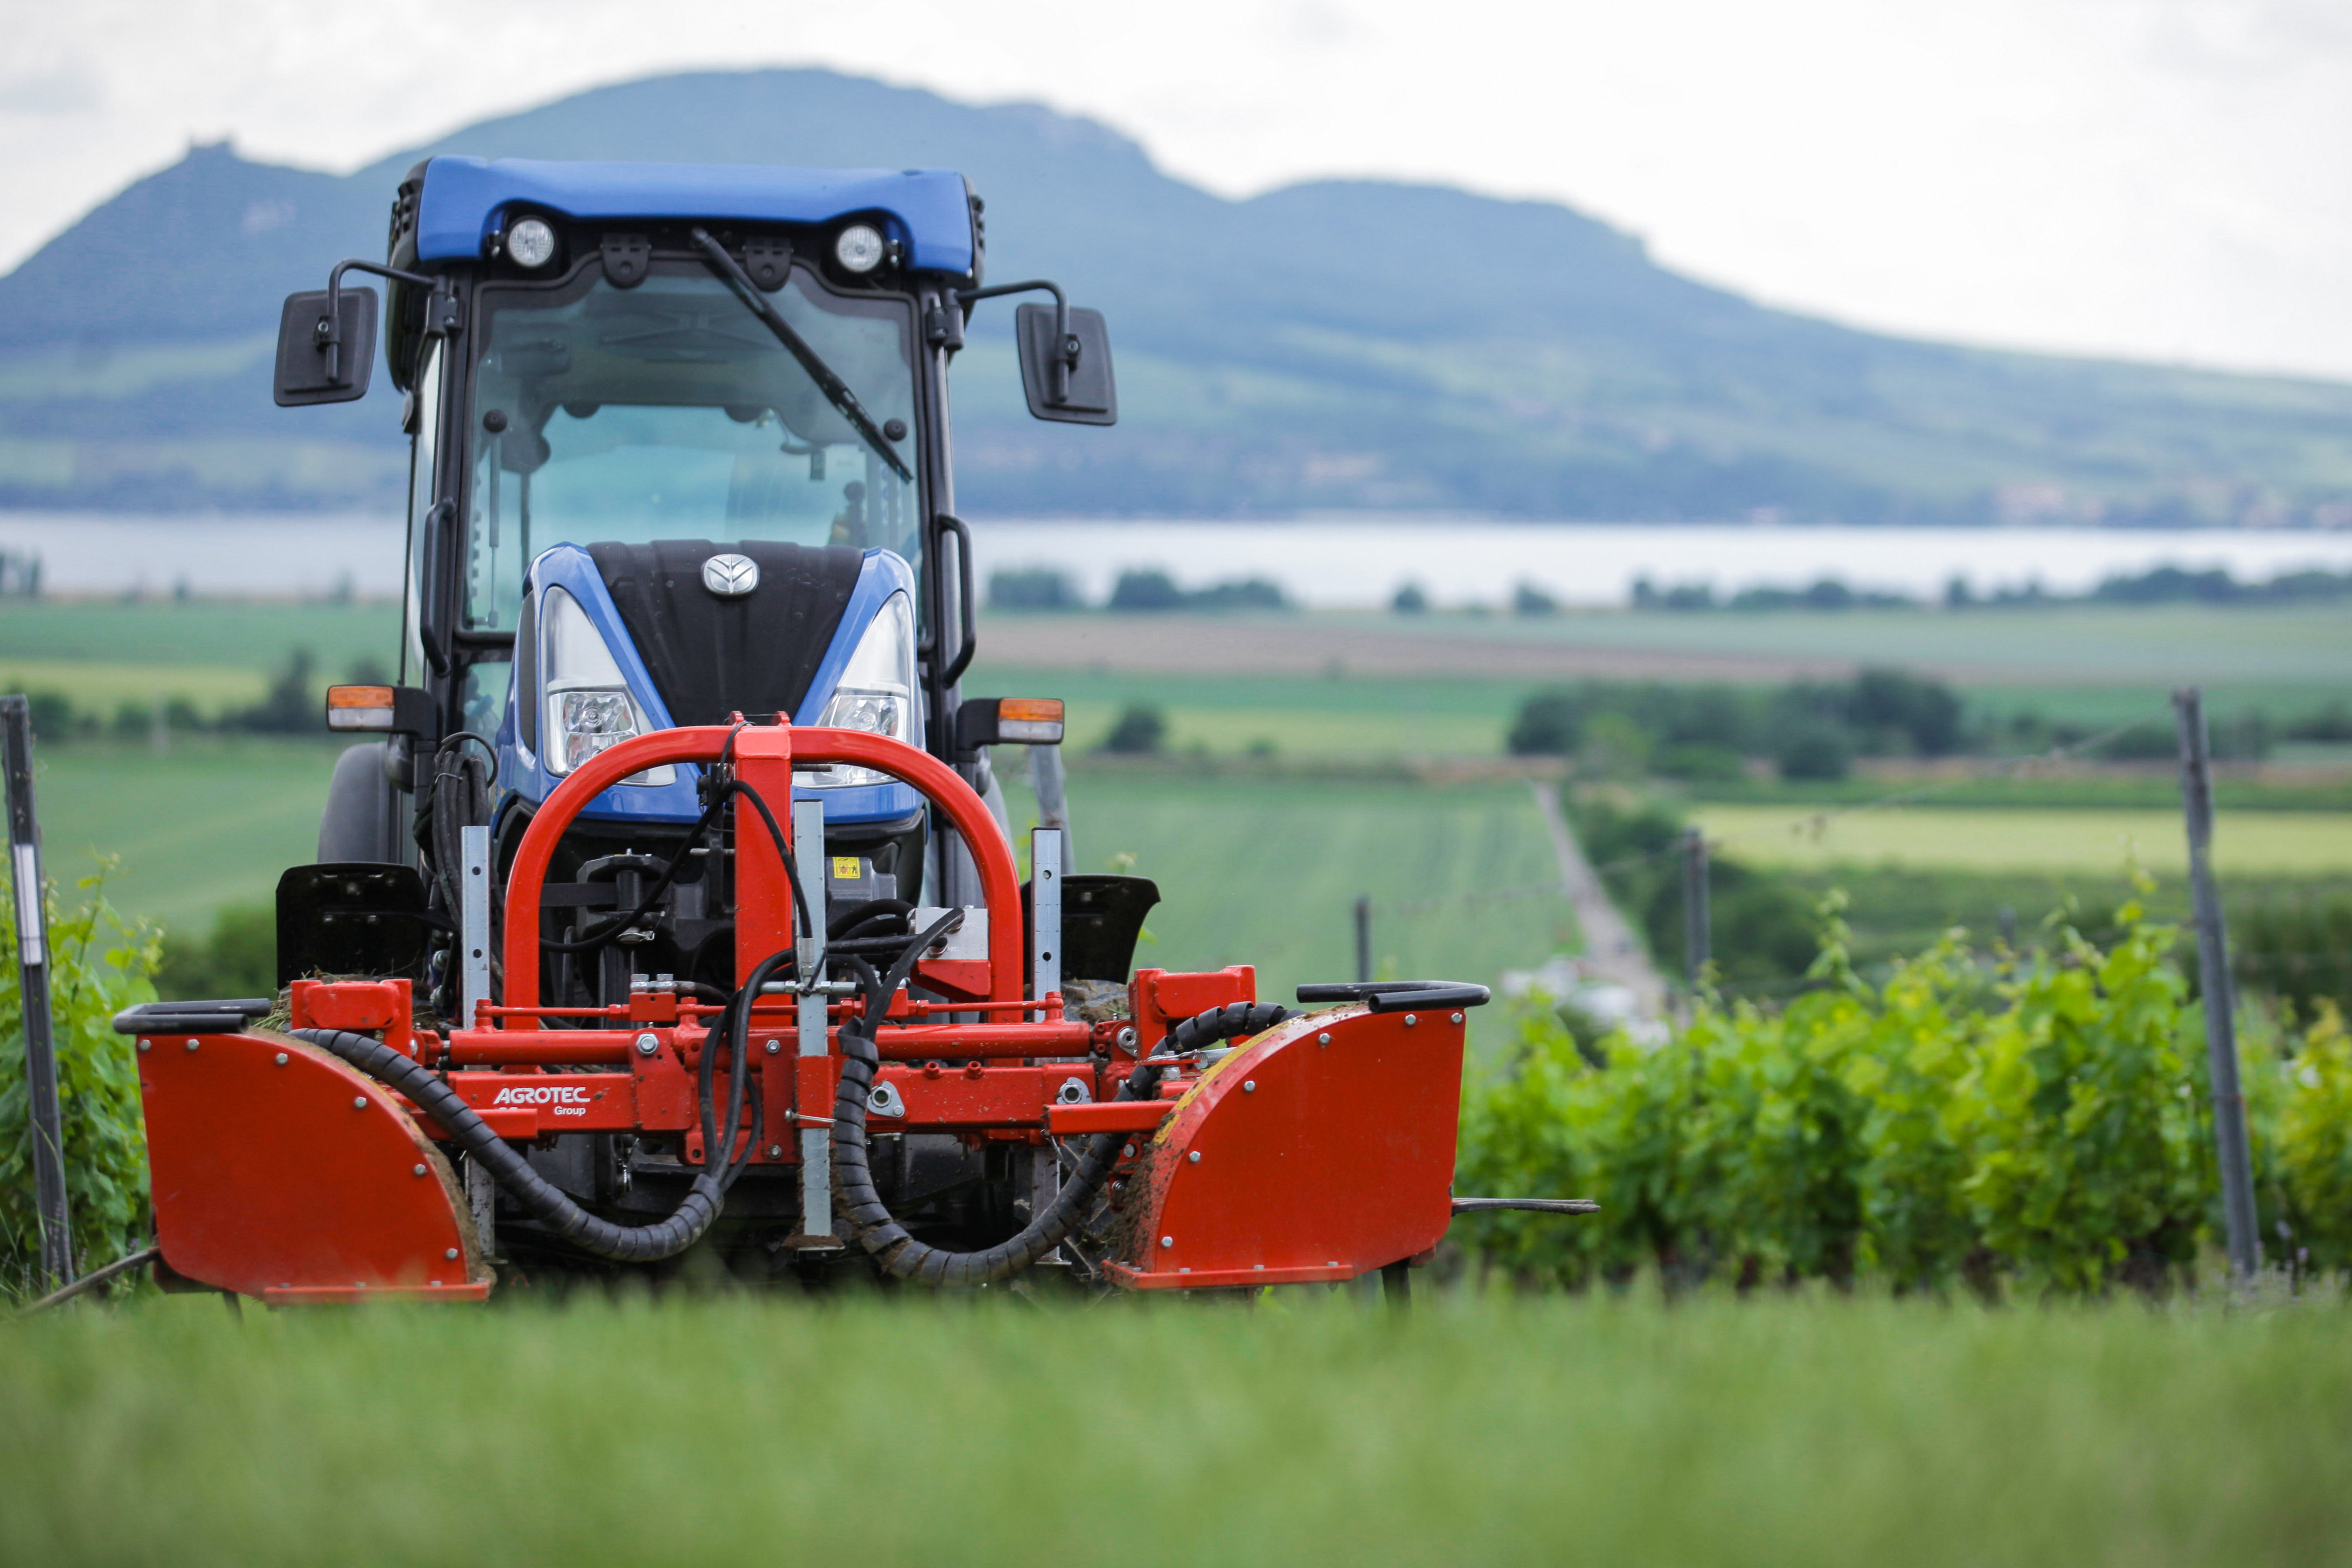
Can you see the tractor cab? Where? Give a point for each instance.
(679, 451)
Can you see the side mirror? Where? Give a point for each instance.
(1069, 380)
(1008, 720)
(324, 361)
(396, 709)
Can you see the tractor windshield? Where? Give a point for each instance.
(670, 411)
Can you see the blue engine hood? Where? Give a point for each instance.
(522, 778)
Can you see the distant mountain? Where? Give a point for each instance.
(1337, 344)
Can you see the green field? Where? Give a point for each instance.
(1313, 1428)
(209, 824)
(1295, 717)
(2099, 842)
(1266, 871)
(2147, 648)
(215, 654)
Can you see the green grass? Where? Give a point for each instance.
(2093, 841)
(1266, 871)
(1311, 1429)
(209, 824)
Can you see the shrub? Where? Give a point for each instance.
(1031, 588)
(291, 706)
(1410, 600)
(1242, 594)
(1966, 1121)
(239, 958)
(2332, 723)
(52, 715)
(1550, 724)
(1150, 589)
(2314, 1140)
(1140, 731)
(100, 964)
(1926, 712)
(1817, 753)
(1526, 599)
(1699, 764)
(2295, 948)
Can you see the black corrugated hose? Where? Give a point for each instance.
(554, 1208)
(626, 1243)
(900, 1254)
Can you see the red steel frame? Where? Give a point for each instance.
(1328, 1142)
(762, 755)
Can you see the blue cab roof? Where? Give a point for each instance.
(928, 209)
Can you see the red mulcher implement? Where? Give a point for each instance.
(695, 846)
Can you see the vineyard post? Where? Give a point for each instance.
(2244, 1241)
(42, 1117)
(1695, 922)
(1363, 937)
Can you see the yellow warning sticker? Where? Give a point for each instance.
(845, 867)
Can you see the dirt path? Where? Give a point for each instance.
(1613, 954)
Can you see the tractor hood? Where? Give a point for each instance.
(623, 639)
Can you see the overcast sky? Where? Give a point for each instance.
(2164, 179)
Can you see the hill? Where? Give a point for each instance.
(1330, 344)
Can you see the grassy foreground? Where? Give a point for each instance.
(1320, 1430)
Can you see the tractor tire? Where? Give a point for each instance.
(362, 821)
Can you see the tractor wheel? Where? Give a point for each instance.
(361, 822)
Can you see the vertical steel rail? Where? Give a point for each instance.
(473, 990)
(2230, 1144)
(1045, 914)
(1363, 939)
(1697, 927)
(473, 922)
(44, 1123)
(816, 1139)
(1046, 853)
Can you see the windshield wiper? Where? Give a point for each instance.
(836, 391)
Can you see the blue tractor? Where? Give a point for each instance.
(680, 451)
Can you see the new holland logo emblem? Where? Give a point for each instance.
(730, 576)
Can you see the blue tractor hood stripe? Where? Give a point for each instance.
(463, 197)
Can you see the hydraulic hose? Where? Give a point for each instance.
(553, 1208)
(616, 925)
(551, 1204)
(898, 1253)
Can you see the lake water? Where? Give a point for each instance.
(1327, 562)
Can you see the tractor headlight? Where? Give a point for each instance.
(859, 248)
(876, 693)
(585, 702)
(532, 242)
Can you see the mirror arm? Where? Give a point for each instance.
(1064, 362)
(328, 333)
